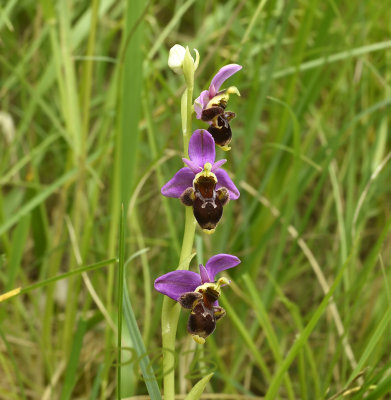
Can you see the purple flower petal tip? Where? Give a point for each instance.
(220, 262)
(223, 74)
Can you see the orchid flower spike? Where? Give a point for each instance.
(199, 293)
(202, 184)
(210, 106)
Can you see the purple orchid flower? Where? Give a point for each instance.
(202, 184)
(210, 106)
(199, 293)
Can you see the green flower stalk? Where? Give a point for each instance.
(181, 62)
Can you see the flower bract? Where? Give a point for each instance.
(199, 293)
(211, 104)
(202, 184)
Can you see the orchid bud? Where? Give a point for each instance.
(181, 62)
(176, 57)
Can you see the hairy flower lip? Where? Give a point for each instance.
(220, 129)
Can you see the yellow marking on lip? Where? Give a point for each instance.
(206, 172)
(222, 96)
(209, 231)
(206, 285)
(225, 148)
(222, 281)
(198, 339)
(233, 90)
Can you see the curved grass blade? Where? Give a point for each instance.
(293, 352)
(134, 332)
(72, 368)
(17, 291)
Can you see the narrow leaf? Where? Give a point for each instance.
(197, 390)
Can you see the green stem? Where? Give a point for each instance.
(189, 111)
(170, 314)
(171, 309)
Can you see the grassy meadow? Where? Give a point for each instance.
(90, 129)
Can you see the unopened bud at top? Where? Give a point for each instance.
(176, 57)
(181, 61)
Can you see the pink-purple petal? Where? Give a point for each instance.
(175, 283)
(192, 165)
(212, 91)
(198, 107)
(218, 164)
(204, 274)
(202, 148)
(200, 103)
(220, 262)
(223, 74)
(204, 97)
(223, 180)
(179, 183)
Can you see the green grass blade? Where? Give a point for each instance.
(254, 351)
(145, 364)
(299, 343)
(369, 349)
(18, 243)
(134, 332)
(72, 368)
(178, 15)
(267, 327)
(323, 61)
(53, 279)
(381, 390)
(97, 382)
(131, 83)
(121, 266)
(14, 364)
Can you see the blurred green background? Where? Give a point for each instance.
(90, 119)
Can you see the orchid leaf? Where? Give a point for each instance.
(197, 390)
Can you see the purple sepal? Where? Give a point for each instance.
(212, 91)
(221, 76)
(220, 262)
(175, 283)
(202, 147)
(223, 180)
(179, 183)
(200, 103)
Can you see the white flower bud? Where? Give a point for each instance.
(176, 57)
